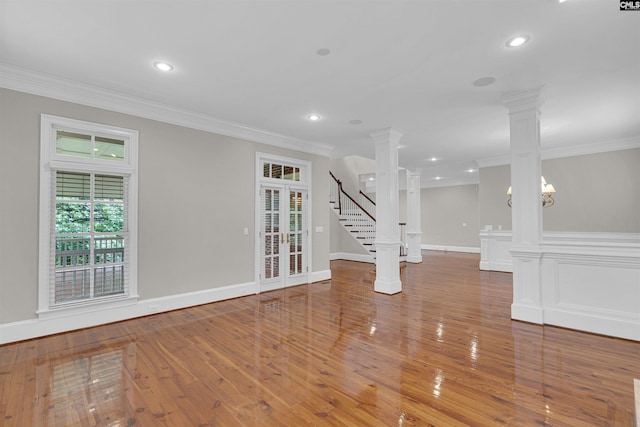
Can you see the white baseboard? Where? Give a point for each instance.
(319, 276)
(612, 324)
(34, 328)
(506, 267)
(444, 248)
(352, 257)
(527, 313)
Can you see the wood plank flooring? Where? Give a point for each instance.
(443, 352)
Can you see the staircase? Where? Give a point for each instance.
(356, 219)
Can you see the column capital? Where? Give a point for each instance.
(387, 135)
(524, 100)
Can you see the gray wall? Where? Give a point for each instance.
(492, 197)
(594, 193)
(196, 194)
(444, 211)
(348, 170)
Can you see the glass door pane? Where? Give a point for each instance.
(283, 235)
(270, 233)
(297, 232)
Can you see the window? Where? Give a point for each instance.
(280, 171)
(88, 194)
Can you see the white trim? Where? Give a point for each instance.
(467, 249)
(48, 126)
(577, 150)
(636, 387)
(34, 328)
(42, 84)
(306, 178)
(352, 257)
(319, 276)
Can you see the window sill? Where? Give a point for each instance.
(88, 307)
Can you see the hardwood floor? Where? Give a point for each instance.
(443, 352)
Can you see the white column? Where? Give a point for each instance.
(526, 214)
(387, 216)
(414, 227)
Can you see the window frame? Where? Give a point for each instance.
(50, 162)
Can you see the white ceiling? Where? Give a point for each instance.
(403, 64)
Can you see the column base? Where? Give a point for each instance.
(414, 241)
(527, 313)
(388, 287)
(387, 267)
(414, 259)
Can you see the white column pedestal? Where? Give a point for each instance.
(527, 302)
(387, 268)
(414, 242)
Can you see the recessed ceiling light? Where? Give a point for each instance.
(434, 159)
(323, 52)
(313, 117)
(355, 122)
(517, 41)
(438, 178)
(471, 170)
(163, 66)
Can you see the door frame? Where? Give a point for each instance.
(303, 184)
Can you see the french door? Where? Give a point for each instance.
(283, 236)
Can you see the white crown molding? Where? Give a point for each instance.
(41, 84)
(599, 147)
(494, 161)
(576, 150)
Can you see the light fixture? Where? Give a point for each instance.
(313, 117)
(163, 66)
(434, 159)
(545, 189)
(517, 41)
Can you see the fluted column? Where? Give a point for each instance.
(526, 211)
(414, 227)
(387, 239)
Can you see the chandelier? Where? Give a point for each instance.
(546, 189)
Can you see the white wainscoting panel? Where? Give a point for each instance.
(588, 281)
(591, 282)
(494, 251)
